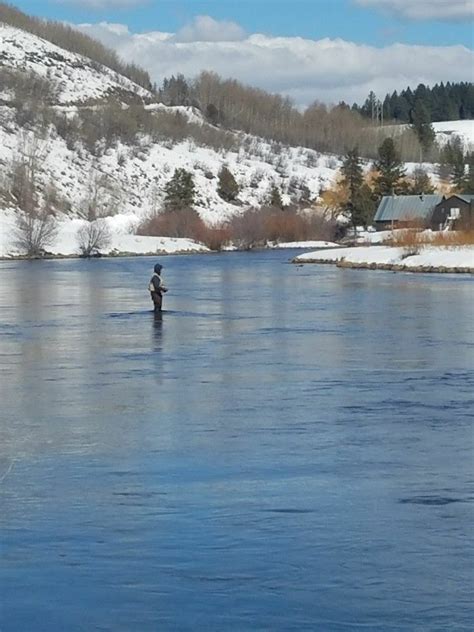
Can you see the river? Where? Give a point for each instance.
(286, 448)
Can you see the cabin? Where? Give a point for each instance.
(403, 211)
(455, 212)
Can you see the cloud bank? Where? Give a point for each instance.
(424, 9)
(306, 70)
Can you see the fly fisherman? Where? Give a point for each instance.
(156, 287)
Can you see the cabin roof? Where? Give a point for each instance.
(406, 207)
(466, 197)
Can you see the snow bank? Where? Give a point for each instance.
(452, 258)
(317, 245)
(65, 243)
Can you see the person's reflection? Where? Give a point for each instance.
(157, 330)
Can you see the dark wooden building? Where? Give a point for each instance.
(400, 211)
(455, 212)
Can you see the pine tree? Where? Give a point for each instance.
(353, 178)
(227, 186)
(467, 185)
(363, 207)
(180, 191)
(422, 125)
(421, 183)
(175, 91)
(352, 172)
(274, 198)
(453, 156)
(391, 171)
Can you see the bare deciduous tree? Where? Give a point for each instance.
(93, 237)
(34, 232)
(101, 199)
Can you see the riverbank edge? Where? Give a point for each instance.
(113, 255)
(48, 256)
(393, 267)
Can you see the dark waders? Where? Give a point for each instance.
(157, 299)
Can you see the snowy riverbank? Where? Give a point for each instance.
(427, 259)
(122, 241)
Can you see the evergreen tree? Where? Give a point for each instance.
(212, 114)
(360, 203)
(421, 183)
(227, 186)
(443, 102)
(467, 185)
(363, 208)
(452, 159)
(352, 173)
(180, 191)
(353, 178)
(175, 91)
(369, 104)
(391, 172)
(422, 125)
(274, 198)
(401, 110)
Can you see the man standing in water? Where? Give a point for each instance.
(156, 287)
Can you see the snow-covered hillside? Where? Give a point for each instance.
(134, 176)
(129, 179)
(77, 78)
(447, 130)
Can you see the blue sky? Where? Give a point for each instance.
(313, 19)
(327, 50)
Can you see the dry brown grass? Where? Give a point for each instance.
(453, 238)
(406, 238)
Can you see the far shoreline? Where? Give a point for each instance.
(371, 266)
(390, 267)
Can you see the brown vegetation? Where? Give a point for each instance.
(415, 238)
(272, 116)
(251, 229)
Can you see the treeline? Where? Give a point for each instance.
(443, 102)
(230, 104)
(73, 41)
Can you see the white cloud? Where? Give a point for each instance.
(424, 9)
(306, 70)
(206, 29)
(98, 5)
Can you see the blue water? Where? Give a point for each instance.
(287, 448)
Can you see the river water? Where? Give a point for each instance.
(287, 448)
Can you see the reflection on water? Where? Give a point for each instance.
(282, 448)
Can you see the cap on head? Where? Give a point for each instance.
(158, 268)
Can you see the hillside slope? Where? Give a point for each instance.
(127, 179)
(77, 78)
